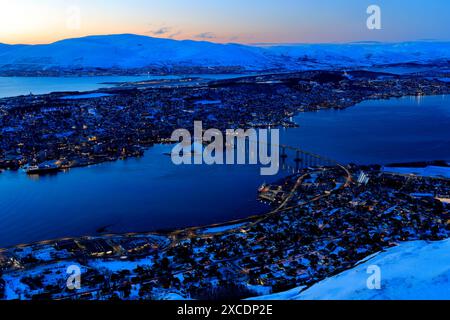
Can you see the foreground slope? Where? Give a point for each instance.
(410, 271)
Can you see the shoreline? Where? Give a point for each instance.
(297, 112)
(334, 185)
(167, 232)
(165, 141)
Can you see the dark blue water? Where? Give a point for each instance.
(16, 86)
(151, 193)
(142, 194)
(382, 131)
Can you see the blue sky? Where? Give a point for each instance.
(245, 21)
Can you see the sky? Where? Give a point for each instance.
(241, 21)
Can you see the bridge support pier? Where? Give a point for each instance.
(283, 153)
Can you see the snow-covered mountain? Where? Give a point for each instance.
(366, 53)
(127, 51)
(416, 270)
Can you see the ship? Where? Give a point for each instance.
(43, 168)
(263, 188)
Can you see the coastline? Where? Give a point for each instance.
(209, 243)
(168, 232)
(170, 244)
(284, 123)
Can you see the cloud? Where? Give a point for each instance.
(167, 32)
(205, 35)
(160, 31)
(174, 34)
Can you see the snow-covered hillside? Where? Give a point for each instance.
(127, 51)
(366, 53)
(130, 51)
(410, 271)
(429, 171)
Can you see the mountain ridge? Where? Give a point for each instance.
(130, 51)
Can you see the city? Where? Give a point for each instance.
(324, 222)
(61, 131)
(205, 159)
(323, 219)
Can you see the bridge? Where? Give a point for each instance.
(301, 160)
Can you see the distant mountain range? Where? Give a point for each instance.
(128, 51)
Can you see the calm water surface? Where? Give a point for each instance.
(16, 86)
(381, 131)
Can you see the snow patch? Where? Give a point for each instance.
(416, 270)
(430, 171)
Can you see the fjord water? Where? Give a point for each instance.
(400, 130)
(16, 86)
(151, 193)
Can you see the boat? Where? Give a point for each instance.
(43, 168)
(263, 188)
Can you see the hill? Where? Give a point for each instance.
(129, 51)
(416, 270)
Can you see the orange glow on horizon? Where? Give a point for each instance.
(221, 21)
